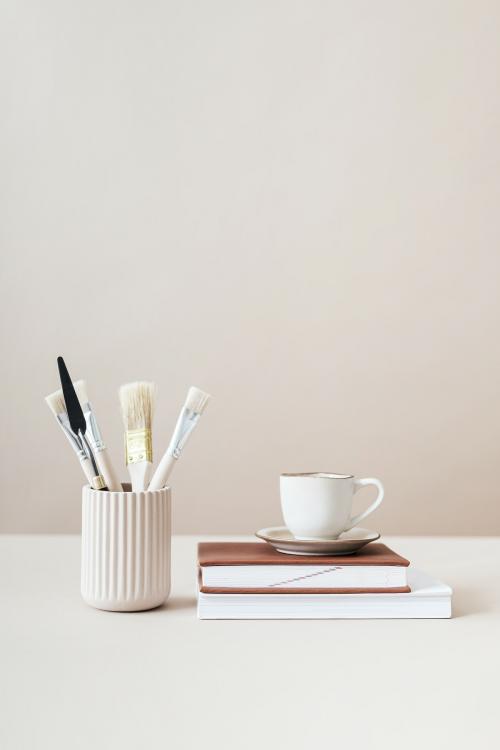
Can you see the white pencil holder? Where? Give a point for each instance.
(125, 549)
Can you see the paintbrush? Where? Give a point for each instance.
(77, 421)
(191, 412)
(137, 405)
(95, 438)
(58, 407)
(55, 402)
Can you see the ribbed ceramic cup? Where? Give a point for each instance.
(125, 549)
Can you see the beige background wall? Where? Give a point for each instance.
(293, 205)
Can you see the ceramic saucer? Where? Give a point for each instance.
(346, 544)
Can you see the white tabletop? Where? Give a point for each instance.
(74, 677)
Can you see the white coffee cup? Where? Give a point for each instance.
(319, 505)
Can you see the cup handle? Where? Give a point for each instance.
(358, 483)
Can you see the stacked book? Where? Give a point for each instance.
(247, 580)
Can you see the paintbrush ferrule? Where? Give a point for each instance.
(138, 446)
(93, 431)
(188, 419)
(75, 440)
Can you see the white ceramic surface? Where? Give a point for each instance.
(319, 505)
(347, 543)
(125, 549)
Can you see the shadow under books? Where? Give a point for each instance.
(469, 601)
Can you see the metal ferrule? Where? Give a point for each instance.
(82, 448)
(75, 440)
(90, 455)
(93, 431)
(188, 419)
(138, 446)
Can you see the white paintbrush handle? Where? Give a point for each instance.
(162, 473)
(139, 475)
(107, 471)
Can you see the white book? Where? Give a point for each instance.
(428, 598)
(304, 576)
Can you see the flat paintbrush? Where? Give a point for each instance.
(77, 420)
(137, 405)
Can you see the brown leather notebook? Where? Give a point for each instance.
(260, 553)
(233, 554)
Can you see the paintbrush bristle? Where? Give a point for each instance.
(137, 404)
(55, 402)
(197, 400)
(80, 387)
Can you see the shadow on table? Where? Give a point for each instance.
(178, 603)
(470, 602)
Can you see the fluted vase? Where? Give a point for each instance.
(125, 549)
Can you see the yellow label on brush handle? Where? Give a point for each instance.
(138, 446)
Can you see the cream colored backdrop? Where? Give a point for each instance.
(293, 205)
